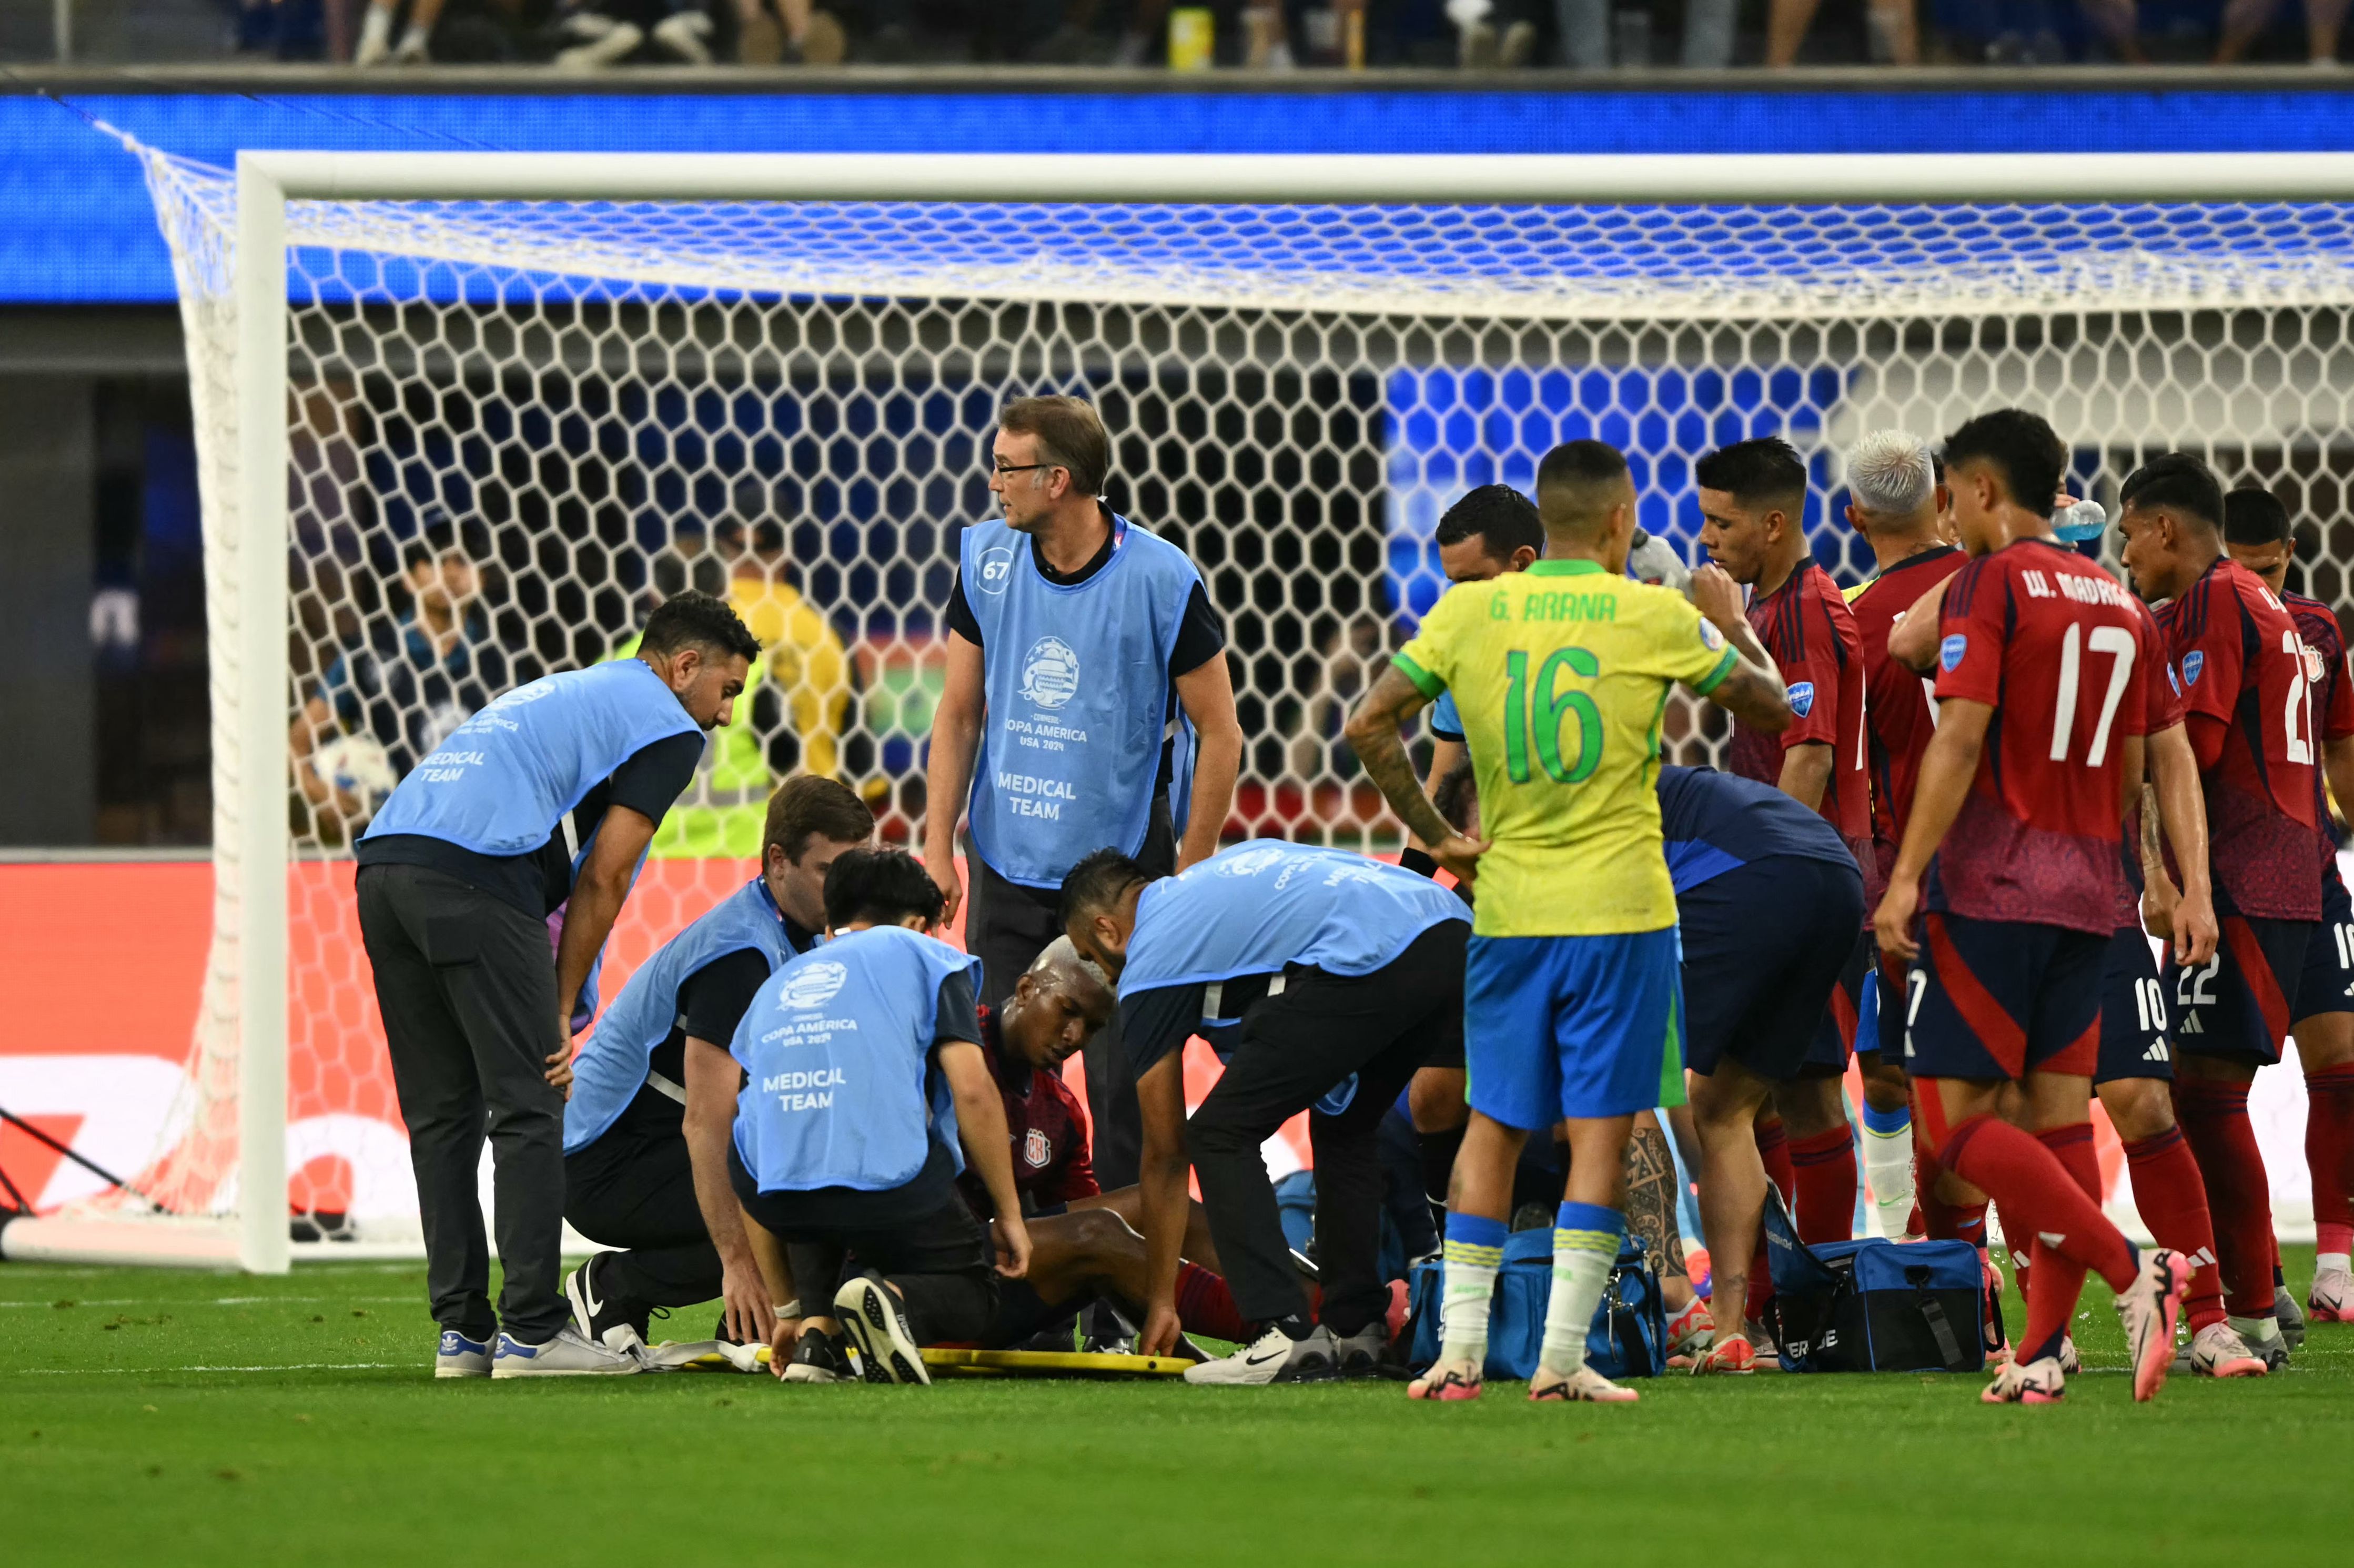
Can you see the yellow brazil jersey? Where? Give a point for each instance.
(1560, 675)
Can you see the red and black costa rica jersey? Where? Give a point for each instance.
(2249, 701)
(1900, 716)
(1806, 631)
(1045, 1128)
(2055, 646)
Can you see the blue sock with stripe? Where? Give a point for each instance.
(1474, 1252)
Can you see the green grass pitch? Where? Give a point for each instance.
(164, 1418)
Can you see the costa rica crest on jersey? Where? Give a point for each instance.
(1036, 1150)
(2315, 666)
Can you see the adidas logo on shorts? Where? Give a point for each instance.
(2157, 1053)
(2190, 1024)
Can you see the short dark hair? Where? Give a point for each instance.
(1764, 468)
(807, 806)
(1070, 435)
(697, 619)
(2252, 516)
(1572, 478)
(2022, 447)
(1500, 516)
(881, 886)
(432, 542)
(2179, 481)
(1096, 883)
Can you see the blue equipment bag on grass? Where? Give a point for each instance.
(1628, 1337)
(1875, 1306)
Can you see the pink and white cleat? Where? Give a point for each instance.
(2217, 1350)
(2149, 1308)
(2331, 1300)
(1583, 1386)
(1447, 1379)
(2027, 1383)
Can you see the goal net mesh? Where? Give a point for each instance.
(791, 404)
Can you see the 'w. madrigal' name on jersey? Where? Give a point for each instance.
(2103, 589)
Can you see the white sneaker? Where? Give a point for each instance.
(608, 41)
(1274, 1357)
(1583, 1386)
(871, 1316)
(2028, 1382)
(2217, 1350)
(566, 1355)
(458, 1356)
(2331, 1299)
(685, 34)
(2149, 1308)
(599, 1318)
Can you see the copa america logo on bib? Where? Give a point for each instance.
(812, 986)
(1050, 673)
(995, 569)
(1247, 863)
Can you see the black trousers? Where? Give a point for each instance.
(466, 983)
(634, 1188)
(1294, 1047)
(1006, 927)
(939, 1259)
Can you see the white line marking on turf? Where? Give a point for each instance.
(229, 1301)
(157, 1372)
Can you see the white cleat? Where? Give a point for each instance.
(2331, 1299)
(2148, 1309)
(2027, 1383)
(1274, 1357)
(566, 1355)
(1583, 1386)
(2217, 1350)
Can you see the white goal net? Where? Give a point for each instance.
(511, 424)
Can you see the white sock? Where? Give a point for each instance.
(1467, 1289)
(1888, 1169)
(1582, 1260)
(375, 27)
(2325, 1261)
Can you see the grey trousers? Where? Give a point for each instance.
(466, 983)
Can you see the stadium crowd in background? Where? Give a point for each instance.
(588, 35)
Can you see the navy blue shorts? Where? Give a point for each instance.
(2328, 983)
(1763, 945)
(1833, 1045)
(1999, 999)
(2238, 1005)
(2133, 1011)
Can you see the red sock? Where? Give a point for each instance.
(1944, 1221)
(1205, 1306)
(1824, 1165)
(2213, 1113)
(2329, 1155)
(2172, 1202)
(1761, 1288)
(1774, 1149)
(2059, 1280)
(2038, 1195)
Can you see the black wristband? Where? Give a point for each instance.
(1418, 862)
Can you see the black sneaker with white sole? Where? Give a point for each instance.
(821, 1357)
(871, 1315)
(601, 1317)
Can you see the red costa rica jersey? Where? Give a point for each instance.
(2242, 667)
(2162, 713)
(1044, 1127)
(2333, 695)
(1898, 717)
(2055, 645)
(1806, 631)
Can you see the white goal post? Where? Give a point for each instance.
(2158, 300)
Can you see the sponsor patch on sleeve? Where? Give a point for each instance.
(1802, 698)
(1710, 637)
(1950, 651)
(2193, 662)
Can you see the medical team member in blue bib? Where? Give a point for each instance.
(1334, 977)
(627, 1181)
(861, 1074)
(544, 801)
(1075, 640)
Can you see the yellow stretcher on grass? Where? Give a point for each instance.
(709, 1355)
